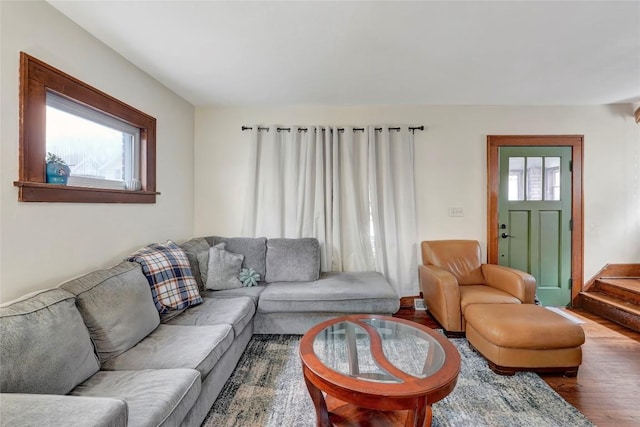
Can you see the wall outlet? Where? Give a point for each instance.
(418, 304)
(455, 211)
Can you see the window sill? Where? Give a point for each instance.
(41, 192)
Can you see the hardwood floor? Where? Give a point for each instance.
(607, 388)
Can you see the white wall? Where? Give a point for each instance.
(451, 166)
(43, 244)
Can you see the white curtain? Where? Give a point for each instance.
(352, 190)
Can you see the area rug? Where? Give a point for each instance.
(267, 389)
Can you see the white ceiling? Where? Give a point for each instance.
(365, 52)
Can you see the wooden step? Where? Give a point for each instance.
(610, 307)
(627, 289)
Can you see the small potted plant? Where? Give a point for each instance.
(57, 169)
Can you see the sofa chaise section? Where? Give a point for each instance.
(293, 295)
(295, 307)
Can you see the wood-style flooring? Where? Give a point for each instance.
(607, 388)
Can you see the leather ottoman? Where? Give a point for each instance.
(524, 337)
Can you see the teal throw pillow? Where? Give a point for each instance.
(249, 277)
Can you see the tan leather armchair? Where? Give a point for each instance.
(452, 277)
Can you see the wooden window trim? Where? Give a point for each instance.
(36, 79)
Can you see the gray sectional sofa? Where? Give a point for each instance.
(95, 351)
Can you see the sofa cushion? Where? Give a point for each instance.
(252, 292)
(117, 307)
(222, 268)
(176, 346)
(55, 411)
(168, 272)
(192, 248)
(203, 265)
(155, 397)
(254, 250)
(237, 312)
(346, 292)
(293, 260)
(44, 345)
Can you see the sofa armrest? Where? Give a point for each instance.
(20, 409)
(514, 282)
(441, 294)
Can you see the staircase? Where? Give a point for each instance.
(614, 293)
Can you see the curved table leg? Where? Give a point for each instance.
(421, 416)
(322, 414)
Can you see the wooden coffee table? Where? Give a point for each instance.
(368, 368)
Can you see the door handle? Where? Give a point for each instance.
(505, 235)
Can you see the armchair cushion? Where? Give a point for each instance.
(460, 257)
(482, 294)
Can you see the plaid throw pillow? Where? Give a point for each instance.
(168, 271)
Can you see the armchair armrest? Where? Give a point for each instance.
(441, 294)
(514, 282)
(20, 409)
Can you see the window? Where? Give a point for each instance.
(108, 145)
(101, 151)
(534, 180)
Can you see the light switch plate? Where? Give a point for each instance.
(456, 212)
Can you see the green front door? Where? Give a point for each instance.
(534, 214)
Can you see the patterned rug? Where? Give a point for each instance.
(267, 389)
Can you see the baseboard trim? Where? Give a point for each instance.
(407, 302)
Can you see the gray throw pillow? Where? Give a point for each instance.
(203, 262)
(222, 269)
(293, 260)
(254, 250)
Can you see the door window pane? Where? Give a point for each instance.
(516, 178)
(534, 178)
(552, 178)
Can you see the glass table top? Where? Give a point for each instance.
(346, 347)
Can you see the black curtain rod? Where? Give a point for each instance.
(411, 128)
